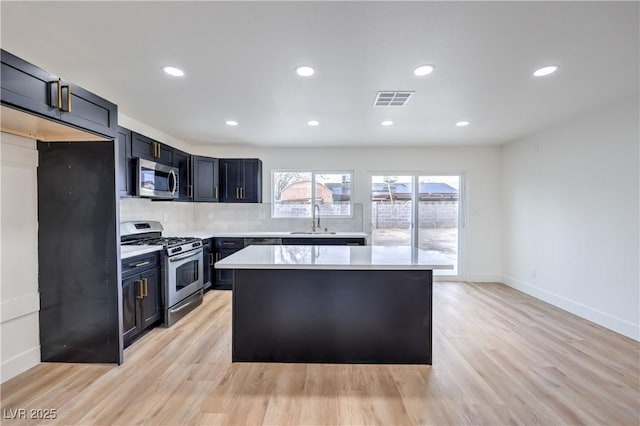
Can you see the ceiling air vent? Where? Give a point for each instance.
(392, 99)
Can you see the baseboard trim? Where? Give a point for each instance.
(19, 363)
(611, 322)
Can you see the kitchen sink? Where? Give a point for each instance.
(312, 233)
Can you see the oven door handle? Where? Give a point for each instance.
(189, 303)
(184, 256)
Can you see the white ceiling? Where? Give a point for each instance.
(240, 60)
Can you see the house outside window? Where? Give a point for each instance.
(296, 192)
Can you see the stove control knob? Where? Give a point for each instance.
(196, 244)
(176, 250)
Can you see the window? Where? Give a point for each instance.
(296, 192)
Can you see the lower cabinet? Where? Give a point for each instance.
(208, 260)
(223, 247)
(141, 295)
(324, 241)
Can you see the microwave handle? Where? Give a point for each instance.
(173, 187)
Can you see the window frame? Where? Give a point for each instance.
(313, 172)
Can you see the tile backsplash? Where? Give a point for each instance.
(179, 218)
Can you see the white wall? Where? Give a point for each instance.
(570, 216)
(19, 299)
(480, 165)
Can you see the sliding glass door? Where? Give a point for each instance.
(418, 210)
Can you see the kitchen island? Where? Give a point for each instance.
(332, 304)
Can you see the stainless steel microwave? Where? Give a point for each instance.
(156, 180)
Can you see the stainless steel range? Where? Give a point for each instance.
(182, 266)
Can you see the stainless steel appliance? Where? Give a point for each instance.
(182, 266)
(156, 180)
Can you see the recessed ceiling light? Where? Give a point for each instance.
(231, 123)
(387, 123)
(545, 71)
(173, 71)
(305, 71)
(313, 123)
(423, 70)
(462, 123)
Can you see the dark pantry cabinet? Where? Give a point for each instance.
(34, 90)
(241, 180)
(141, 296)
(78, 242)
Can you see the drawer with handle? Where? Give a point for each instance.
(136, 264)
(237, 243)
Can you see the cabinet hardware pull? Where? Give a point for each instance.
(216, 192)
(190, 189)
(237, 193)
(146, 287)
(211, 261)
(217, 256)
(68, 87)
(137, 265)
(140, 294)
(242, 192)
(59, 103)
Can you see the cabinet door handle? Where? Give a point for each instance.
(242, 192)
(190, 193)
(211, 261)
(216, 192)
(68, 87)
(146, 287)
(59, 100)
(217, 256)
(140, 294)
(138, 265)
(237, 193)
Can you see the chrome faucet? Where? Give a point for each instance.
(315, 226)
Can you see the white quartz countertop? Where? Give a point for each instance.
(131, 251)
(333, 257)
(272, 234)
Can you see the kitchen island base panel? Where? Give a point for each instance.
(332, 316)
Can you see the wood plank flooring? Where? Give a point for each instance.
(499, 357)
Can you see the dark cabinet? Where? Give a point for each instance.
(124, 166)
(78, 240)
(83, 109)
(182, 161)
(324, 241)
(205, 179)
(208, 260)
(141, 295)
(225, 247)
(34, 90)
(241, 180)
(147, 148)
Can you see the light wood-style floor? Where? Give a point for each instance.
(500, 357)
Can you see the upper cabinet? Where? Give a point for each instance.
(147, 148)
(241, 180)
(205, 179)
(124, 169)
(182, 161)
(34, 90)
